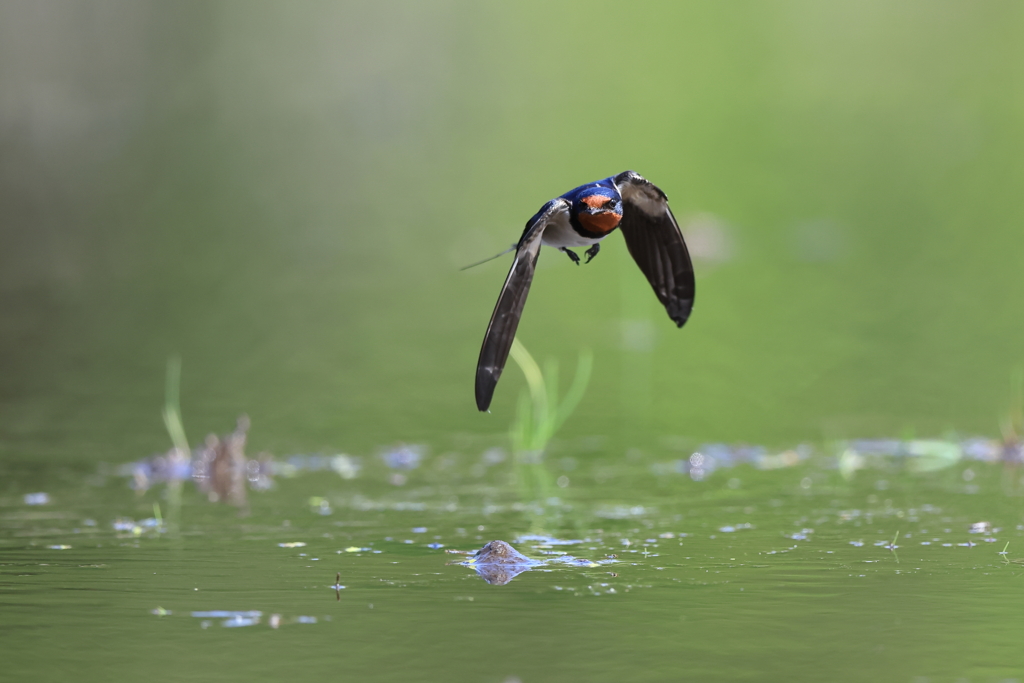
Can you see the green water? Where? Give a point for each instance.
(282, 195)
(748, 575)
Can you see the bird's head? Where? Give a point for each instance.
(599, 210)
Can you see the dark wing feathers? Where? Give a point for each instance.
(656, 244)
(505, 319)
(653, 239)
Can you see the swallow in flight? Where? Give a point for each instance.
(582, 217)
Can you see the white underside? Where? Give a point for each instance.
(559, 233)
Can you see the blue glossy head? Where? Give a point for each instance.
(597, 207)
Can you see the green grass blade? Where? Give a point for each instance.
(172, 408)
(576, 390)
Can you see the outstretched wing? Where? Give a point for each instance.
(656, 244)
(505, 319)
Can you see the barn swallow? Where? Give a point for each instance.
(582, 217)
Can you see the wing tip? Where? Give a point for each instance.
(485, 384)
(681, 313)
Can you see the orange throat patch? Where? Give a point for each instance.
(600, 223)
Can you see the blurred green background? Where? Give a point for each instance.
(282, 193)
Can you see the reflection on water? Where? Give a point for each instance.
(497, 562)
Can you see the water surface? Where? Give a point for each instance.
(792, 573)
(281, 195)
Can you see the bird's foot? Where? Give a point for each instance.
(592, 252)
(572, 255)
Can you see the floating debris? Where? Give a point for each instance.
(37, 498)
(173, 466)
(346, 466)
(232, 619)
(919, 456)
(292, 544)
(403, 457)
(319, 505)
(713, 456)
(926, 455)
(128, 525)
(59, 547)
(219, 467)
